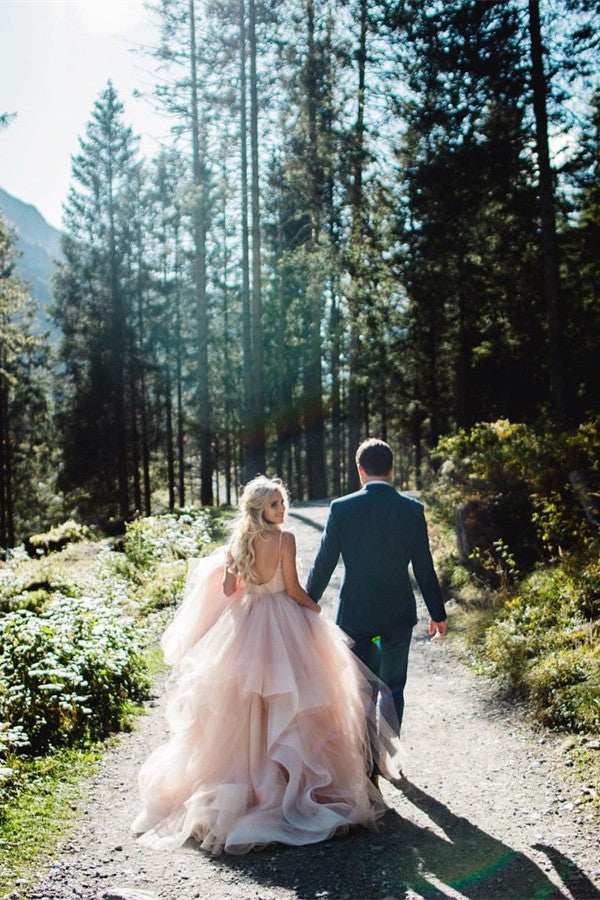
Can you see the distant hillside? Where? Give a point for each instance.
(39, 244)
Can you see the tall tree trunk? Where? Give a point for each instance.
(298, 468)
(228, 379)
(313, 386)
(556, 363)
(354, 391)
(180, 445)
(236, 466)
(8, 484)
(143, 403)
(145, 446)
(282, 432)
(6, 516)
(118, 327)
(433, 332)
(170, 447)
(381, 378)
(217, 463)
(179, 381)
(336, 405)
(199, 229)
(250, 467)
(289, 462)
(256, 309)
(462, 365)
(228, 464)
(335, 337)
(417, 437)
(135, 438)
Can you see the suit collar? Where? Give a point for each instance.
(376, 485)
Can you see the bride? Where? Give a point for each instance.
(274, 732)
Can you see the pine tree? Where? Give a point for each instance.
(93, 307)
(26, 478)
(183, 46)
(469, 226)
(171, 313)
(581, 266)
(551, 262)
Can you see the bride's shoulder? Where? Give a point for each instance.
(288, 539)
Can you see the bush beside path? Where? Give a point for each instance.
(488, 808)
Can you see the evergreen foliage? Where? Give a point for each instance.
(528, 579)
(351, 232)
(27, 465)
(93, 290)
(75, 631)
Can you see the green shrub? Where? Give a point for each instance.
(511, 483)
(33, 600)
(74, 646)
(542, 647)
(68, 532)
(526, 499)
(168, 537)
(586, 577)
(66, 675)
(565, 689)
(29, 584)
(165, 589)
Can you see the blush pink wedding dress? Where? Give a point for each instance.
(273, 730)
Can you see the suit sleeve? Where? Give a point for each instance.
(427, 580)
(326, 558)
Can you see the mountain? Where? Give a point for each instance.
(39, 244)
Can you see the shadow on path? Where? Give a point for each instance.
(293, 514)
(405, 857)
(576, 880)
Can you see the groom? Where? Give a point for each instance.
(379, 532)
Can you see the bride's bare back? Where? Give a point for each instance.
(271, 548)
(267, 555)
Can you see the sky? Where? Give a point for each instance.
(57, 56)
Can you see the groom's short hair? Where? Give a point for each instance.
(375, 457)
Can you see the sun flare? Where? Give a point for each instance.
(105, 17)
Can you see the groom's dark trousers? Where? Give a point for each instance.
(378, 532)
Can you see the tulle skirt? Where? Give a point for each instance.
(273, 726)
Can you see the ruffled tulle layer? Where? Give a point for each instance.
(272, 724)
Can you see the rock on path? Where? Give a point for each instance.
(486, 810)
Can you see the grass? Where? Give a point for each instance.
(43, 813)
(46, 806)
(154, 662)
(585, 757)
(533, 638)
(42, 805)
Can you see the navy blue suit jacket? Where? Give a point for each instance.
(378, 532)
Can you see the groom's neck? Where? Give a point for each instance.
(365, 478)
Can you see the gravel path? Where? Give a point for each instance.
(487, 810)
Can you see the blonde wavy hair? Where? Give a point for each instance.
(253, 501)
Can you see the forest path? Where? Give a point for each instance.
(487, 811)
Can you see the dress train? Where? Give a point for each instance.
(274, 730)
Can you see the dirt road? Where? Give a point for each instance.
(487, 810)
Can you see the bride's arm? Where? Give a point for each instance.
(290, 574)
(230, 578)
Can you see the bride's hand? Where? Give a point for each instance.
(437, 630)
(230, 575)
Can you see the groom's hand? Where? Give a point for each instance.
(437, 630)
